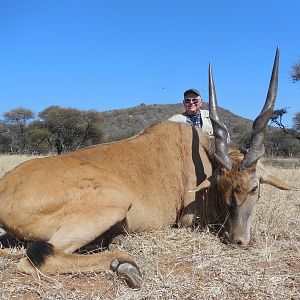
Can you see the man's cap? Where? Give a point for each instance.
(195, 91)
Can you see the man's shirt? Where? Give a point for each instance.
(200, 120)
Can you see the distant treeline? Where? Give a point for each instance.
(54, 130)
(59, 130)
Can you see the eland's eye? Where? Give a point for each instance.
(254, 189)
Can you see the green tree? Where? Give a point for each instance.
(17, 121)
(70, 129)
(38, 138)
(5, 138)
(280, 144)
(296, 122)
(277, 119)
(295, 74)
(92, 123)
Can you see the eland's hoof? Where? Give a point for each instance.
(129, 271)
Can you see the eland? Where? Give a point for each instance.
(170, 174)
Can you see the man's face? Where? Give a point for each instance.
(192, 103)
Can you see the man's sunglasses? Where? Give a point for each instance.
(190, 100)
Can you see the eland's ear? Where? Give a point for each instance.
(277, 182)
(209, 182)
(267, 178)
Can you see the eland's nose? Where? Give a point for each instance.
(240, 242)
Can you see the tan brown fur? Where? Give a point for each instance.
(235, 180)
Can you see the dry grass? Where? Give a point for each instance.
(286, 163)
(8, 162)
(179, 264)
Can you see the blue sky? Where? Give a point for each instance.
(119, 53)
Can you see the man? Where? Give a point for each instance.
(193, 114)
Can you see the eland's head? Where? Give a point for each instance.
(239, 174)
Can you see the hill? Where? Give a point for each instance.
(123, 123)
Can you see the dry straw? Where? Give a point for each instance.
(185, 264)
